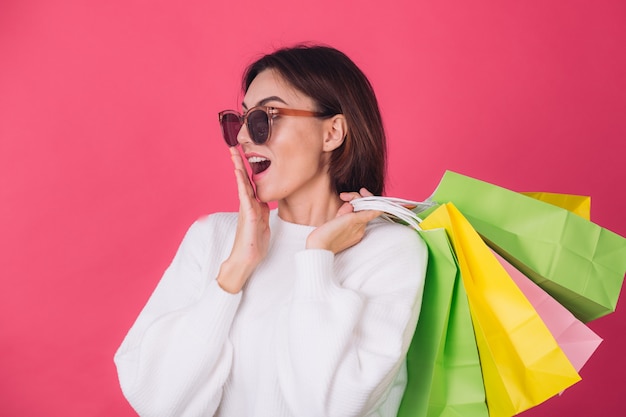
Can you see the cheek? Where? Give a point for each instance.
(298, 144)
(308, 160)
(298, 147)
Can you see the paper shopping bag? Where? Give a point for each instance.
(577, 340)
(577, 204)
(522, 364)
(577, 262)
(444, 375)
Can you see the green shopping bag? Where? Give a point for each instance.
(577, 262)
(444, 374)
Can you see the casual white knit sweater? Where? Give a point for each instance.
(311, 333)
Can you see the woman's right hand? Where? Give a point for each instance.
(346, 229)
(252, 236)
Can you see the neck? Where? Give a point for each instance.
(311, 210)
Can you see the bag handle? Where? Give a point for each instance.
(395, 209)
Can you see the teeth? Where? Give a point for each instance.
(255, 159)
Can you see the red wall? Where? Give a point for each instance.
(110, 148)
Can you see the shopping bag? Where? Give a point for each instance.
(577, 204)
(577, 341)
(444, 375)
(522, 364)
(577, 262)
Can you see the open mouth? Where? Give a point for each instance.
(258, 164)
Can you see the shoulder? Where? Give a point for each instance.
(387, 250)
(395, 243)
(222, 222)
(210, 230)
(385, 235)
(218, 218)
(390, 249)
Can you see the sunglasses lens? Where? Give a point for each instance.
(231, 124)
(258, 126)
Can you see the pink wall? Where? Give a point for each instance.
(110, 148)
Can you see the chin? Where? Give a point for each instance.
(269, 194)
(263, 197)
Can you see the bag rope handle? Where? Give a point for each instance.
(394, 209)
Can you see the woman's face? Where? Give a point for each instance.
(292, 163)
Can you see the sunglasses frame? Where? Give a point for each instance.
(271, 112)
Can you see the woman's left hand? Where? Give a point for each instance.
(346, 229)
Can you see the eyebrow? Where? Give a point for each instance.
(265, 101)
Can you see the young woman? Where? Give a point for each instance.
(306, 310)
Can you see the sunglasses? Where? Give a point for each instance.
(258, 121)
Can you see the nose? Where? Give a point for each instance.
(243, 136)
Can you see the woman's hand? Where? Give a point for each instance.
(252, 236)
(346, 229)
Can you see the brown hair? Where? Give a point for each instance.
(338, 86)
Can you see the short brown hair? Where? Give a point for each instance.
(338, 86)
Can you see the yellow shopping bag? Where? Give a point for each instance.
(522, 364)
(577, 204)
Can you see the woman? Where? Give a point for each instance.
(306, 310)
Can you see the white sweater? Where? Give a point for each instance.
(311, 333)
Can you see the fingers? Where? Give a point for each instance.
(244, 191)
(244, 185)
(345, 209)
(363, 216)
(365, 192)
(366, 216)
(349, 196)
(235, 156)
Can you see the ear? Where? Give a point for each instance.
(335, 133)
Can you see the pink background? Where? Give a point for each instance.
(110, 148)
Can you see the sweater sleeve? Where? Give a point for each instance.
(176, 357)
(347, 330)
